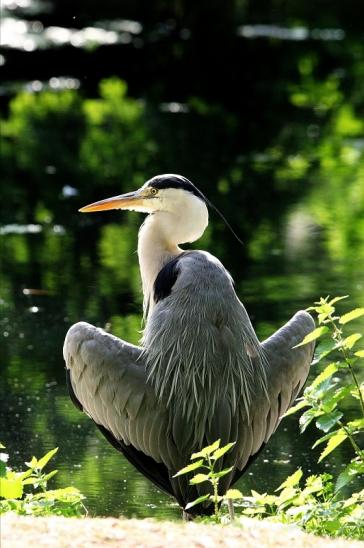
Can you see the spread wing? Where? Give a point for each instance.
(107, 379)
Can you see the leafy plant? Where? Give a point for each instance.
(326, 396)
(313, 506)
(42, 502)
(206, 460)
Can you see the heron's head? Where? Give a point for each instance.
(173, 199)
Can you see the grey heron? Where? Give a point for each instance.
(201, 373)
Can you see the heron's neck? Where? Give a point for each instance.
(155, 249)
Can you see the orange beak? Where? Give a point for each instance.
(124, 201)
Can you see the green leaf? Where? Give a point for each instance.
(357, 424)
(324, 438)
(199, 478)
(234, 494)
(222, 472)
(333, 442)
(349, 342)
(206, 451)
(336, 299)
(313, 335)
(11, 488)
(359, 353)
(197, 501)
(43, 461)
(67, 494)
(300, 405)
(352, 315)
(2, 446)
(323, 349)
(33, 463)
(307, 418)
(292, 480)
(50, 475)
(348, 474)
(189, 468)
(327, 421)
(326, 374)
(222, 450)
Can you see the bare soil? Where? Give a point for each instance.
(24, 532)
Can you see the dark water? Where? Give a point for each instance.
(274, 137)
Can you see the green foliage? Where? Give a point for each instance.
(40, 502)
(313, 506)
(207, 459)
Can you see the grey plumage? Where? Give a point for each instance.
(200, 375)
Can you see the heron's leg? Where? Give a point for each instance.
(186, 516)
(231, 509)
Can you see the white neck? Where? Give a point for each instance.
(161, 234)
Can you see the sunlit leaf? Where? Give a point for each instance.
(222, 472)
(333, 442)
(324, 438)
(326, 374)
(11, 488)
(234, 494)
(33, 463)
(350, 341)
(356, 424)
(189, 468)
(336, 299)
(323, 349)
(43, 461)
(297, 407)
(352, 315)
(222, 450)
(359, 353)
(206, 451)
(199, 478)
(313, 335)
(292, 480)
(197, 501)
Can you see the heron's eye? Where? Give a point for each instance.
(153, 191)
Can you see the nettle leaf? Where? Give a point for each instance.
(350, 341)
(222, 450)
(189, 468)
(33, 463)
(222, 472)
(199, 478)
(326, 374)
(292, 480)
(352, 315)
(323, 349)
(11, 488)
(44, 460)
(327, 421)
(197, 501)
(307, 418)
(234, 494)
(348, 474)
(313, 335)
(337, 299)
(357, 424)
(300, 405)
(359, 353)
(333, 442)
(206, 451)
(324, 438)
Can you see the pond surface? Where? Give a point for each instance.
(263, 113)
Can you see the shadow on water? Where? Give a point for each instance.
(294, 192)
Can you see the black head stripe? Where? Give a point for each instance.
(175, 181)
